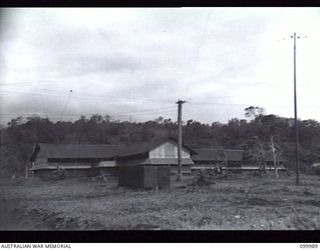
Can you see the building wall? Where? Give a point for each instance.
(70, 164)
(150, 178)
(131, 176)
(206, 164)
(45, 174)
(144, 177)
(163, 178)
(50, 174)
(109, 171)
(41, 162)
(90, 172)
(156, 177)
(168, 150)
(47, 170)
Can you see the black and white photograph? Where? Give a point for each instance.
(159, 119)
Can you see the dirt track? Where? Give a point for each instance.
(240, 202)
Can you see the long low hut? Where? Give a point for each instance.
(51, 161)
(146, 165)
(250, 164)
(231, 159)
(213, 159)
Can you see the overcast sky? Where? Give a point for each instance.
(135, 63)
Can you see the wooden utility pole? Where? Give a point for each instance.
(295, 110)
(179, 176)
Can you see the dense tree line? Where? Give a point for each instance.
(257, 135)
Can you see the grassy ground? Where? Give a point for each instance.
(238, 201)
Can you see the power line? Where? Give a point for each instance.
(119, 99)
(18, 90)
(211, 97)
(144, 113)
(217, 103)
(110, 113)
(81, 114)
(192, 100)
(132, 99)
(162, 113)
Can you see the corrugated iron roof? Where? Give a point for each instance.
(139, 148)
(98, 151)
(168, 161)
(78, 151)
(214, 154)
(147, 146)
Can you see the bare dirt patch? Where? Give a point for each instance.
(240, 202)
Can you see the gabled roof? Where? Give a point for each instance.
(214, 154)
(96, 151)
(144, 148)
(77, 151)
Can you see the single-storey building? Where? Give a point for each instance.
(51, 161)
(150, 164)
(215, 159)
(233, 159)
(146, 165)
(269, 161)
